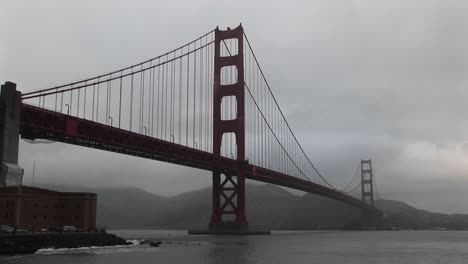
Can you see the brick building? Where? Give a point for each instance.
(33, 208)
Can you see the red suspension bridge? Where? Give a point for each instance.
(206, 105)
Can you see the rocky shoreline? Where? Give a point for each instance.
(30, 243)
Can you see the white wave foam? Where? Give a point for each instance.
(135, 242)
(85, 250)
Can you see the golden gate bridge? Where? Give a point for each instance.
(206, 105)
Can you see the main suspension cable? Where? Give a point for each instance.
(284, 118)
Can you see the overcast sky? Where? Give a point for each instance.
(356, 79)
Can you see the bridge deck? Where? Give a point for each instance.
(40, 123)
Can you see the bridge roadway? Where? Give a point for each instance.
(40, 123)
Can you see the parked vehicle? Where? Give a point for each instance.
(56, 229)
(6, 229)
(70, 229)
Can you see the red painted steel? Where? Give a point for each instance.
(40, 123)
(232, 189)
(367, 185)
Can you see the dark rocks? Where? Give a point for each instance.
(151, 243)
(30, 243)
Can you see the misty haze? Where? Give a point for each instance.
(234, 131)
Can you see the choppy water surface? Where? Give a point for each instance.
(282, 247)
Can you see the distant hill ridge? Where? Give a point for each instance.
(268, 207)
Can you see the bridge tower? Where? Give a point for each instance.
(228, 197)
(10, 101)
(372, 219)
(367, 182)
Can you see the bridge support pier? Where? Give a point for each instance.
(228, 201)
(372, 220)
(228, 187)
(367, 182)
(10, 102)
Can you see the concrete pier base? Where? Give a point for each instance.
(372, 220)
(229, 232)
(11, 174)
(228, 228)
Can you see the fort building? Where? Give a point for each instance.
(34, 208)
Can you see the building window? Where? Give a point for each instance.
(36, 205)
(77, 217)
(45, 217)
(35, 217)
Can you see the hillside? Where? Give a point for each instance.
(268, 207)
(401, 215)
